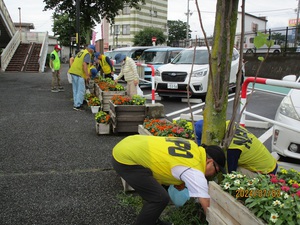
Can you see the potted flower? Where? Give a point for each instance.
(102, 122)
(272, 199)
(105, 89)
(161, 127)
(94, 103)
(127, 112)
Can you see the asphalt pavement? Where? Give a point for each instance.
(54, 168)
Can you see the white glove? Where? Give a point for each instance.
(52, 70)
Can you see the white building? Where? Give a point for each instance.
(130, 21)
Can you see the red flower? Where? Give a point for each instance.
(298, 193)
(285, 188)
(274, 180)
(295, 186)
(282, 181)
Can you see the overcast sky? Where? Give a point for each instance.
(278, 12)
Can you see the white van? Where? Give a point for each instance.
(171, 80)
(250, 48)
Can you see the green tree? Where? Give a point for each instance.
(91, 12)
(220, 65)
(278, 38)
(177, 31)
(144, 37)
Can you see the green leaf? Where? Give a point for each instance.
(260, 58)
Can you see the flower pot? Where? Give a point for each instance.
(95, 109)
(105, 97)
(102, 128)
(126, 118)
(225, 209)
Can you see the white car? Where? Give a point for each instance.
(286, 142)
(264, 49)
(171, 80)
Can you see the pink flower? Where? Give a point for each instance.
(282, 181)
(285, 188)
(274, 180)
(298, 193)
(295, 185)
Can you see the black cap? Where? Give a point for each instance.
(217, 154)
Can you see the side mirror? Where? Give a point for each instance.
(291, 78)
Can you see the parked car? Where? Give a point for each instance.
(158, 57)
(298, 49)
(172, 78)
(264, 49)
(286, 142)
(134, 52)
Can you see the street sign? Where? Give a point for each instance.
(153, 39)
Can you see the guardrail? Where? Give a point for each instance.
(152, 78)
(273, 82)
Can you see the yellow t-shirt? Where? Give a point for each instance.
(255, 156)
(160, 155)
(77, 66)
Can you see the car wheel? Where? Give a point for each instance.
(249, 51)
(276, 51)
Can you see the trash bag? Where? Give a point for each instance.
(179, 198)
(139, 91)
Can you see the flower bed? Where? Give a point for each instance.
(106, 89)
(275, 199)
(127, 113)
(161, 127)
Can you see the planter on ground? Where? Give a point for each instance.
(126, 118)
(105, 96)
(95, 109)
(102, 128)
(224, 209)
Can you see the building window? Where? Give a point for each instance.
(254, 27)
(126, 10)
(153, 13)
(117, 29)
(126, 29)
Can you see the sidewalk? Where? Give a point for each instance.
(54, 168)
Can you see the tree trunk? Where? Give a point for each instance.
(220, 63)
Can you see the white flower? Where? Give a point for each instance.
(227, 185)
(237, 183)
(286, 196)
(239, 175)
(275, 203)
(232, 176)
(241, 188)
(281, 205)
(274, 217)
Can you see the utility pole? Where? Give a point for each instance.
(77, 24)
(297, 24)
(188, 14)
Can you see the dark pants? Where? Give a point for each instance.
(108, 76)
(155, 196)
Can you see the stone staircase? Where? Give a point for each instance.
(25, 59)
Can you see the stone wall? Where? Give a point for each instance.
(276, 66)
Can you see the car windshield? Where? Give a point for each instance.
(186, 57)
(154, 57)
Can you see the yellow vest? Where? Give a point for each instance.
(77, 66)
(56, 61)
(104, 65)
(160, 154)
(255, 156)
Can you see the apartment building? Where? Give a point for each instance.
(130, 21)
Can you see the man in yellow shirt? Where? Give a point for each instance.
(55, 68)
(80, 73)
(245, 154)
(148, 162)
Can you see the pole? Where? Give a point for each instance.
(187, 23)
(20, 24)
(297, 24)
(70, 34)
(77, 24)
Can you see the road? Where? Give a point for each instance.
(263, 101)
